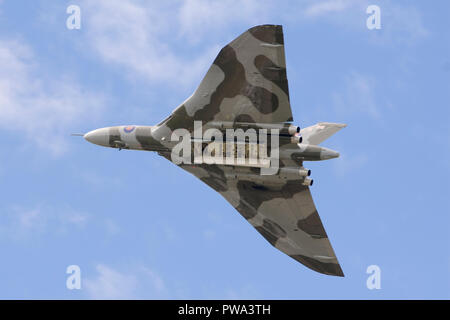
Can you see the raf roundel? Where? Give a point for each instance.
(129, 129)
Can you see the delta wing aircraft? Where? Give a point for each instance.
(246, 88)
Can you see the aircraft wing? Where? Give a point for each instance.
(283, 213)
(247, 82)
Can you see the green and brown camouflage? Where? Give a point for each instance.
(246, 88)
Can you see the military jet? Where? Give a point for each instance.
(246, 88)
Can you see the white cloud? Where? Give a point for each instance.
(110, 284)
(156, 281)
(350, 14)
(319, 8)
(42, 111)
(137, 283)
(136, 36)
(29, 219)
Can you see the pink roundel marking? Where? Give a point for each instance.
(129, 129)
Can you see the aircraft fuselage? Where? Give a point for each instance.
(142, 138)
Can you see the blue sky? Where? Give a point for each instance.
(140, 227)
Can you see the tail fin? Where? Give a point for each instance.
(318, 133)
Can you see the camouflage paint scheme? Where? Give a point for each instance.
(247, 83)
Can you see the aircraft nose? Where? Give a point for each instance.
(98, 136)
(326, 153)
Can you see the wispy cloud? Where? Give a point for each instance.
(24, 223)
(110, 284)
(137, 36)
(320, 8)
(348, 14)
(136, 283)
(42, 110)
(156, 281)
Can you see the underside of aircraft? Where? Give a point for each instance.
(246, 88)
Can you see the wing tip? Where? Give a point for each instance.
(328, 268)
(269, 33)
(339, 273)
(267, 25)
